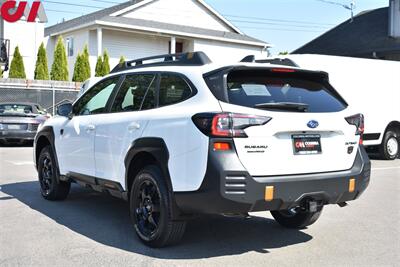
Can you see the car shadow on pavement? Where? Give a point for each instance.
(105, 220)
(25, 144)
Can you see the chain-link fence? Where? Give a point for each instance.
(48, 94)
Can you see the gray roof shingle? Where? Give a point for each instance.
(368, 33)
(104, 15)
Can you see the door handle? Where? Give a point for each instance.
(133, 127)
(90, 128)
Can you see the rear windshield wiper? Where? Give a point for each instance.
(300, 107)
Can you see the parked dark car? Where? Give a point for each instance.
(19, 122)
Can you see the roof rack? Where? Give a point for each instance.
(274, 61)
(180, 59)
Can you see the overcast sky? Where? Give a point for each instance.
(286, 24)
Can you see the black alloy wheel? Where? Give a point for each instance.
(151, 211)
(46, 177)
(147, 210)
(51, 187)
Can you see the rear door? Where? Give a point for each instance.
(125, 123)
(308, 132)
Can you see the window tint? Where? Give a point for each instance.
(281, 91)
(95, 101)
(173, 89)
(133, 91)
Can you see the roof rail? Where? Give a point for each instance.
(274, 61)
(180, 59)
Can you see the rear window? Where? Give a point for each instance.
(16, 108)
(282, 91)
(173, 89)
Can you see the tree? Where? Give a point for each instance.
(284, 53)
(99, 67)
(85, 64)
(106, 63)
(78, 73)
(59, 69)
(17, 69)
(42, 69)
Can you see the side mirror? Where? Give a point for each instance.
(64, 110)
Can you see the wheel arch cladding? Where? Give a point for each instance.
(44, 138)
(394, 125)
(143, 152)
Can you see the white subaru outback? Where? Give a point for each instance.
(183, 136)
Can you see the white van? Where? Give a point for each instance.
(370, 86)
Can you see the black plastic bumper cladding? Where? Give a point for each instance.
(228, 187)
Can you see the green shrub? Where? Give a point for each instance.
(17, 69)
(59, 69)
(122, 60)
(106, 63)
(85, 64)
(78, 73)
(99, 67)
(42, 69)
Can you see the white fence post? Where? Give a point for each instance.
(54, 99)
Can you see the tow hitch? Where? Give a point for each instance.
(312, 205)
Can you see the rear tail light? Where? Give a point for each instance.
(227, 124)
(358, 121)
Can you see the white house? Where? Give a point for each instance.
(27, 36)
(143, 28)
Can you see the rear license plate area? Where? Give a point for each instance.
(14, 127)
(307, 144)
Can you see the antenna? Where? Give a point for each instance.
(350, 7)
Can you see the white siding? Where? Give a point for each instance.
(226, 52)
(183, 12)
(28, 37)
(132, 45)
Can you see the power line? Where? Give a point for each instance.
(278, 29)
(278, 20)
(252, 20)
(107, 2)
(63, 11)
(279, 24)
(70, 4)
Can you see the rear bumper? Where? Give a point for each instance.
(17, 136)
(228, 187)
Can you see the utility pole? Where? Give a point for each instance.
(350, 7)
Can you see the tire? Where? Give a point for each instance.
(150, 208)
(296, 219)
(50, 186)
(389, 149)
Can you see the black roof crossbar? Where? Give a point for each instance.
(275, 61)
(181, 59)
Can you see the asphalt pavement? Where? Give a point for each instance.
(91, 229)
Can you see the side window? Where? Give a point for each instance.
(173, 89)
(134, 90)
(95, 101)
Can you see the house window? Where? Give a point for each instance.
(70, 46)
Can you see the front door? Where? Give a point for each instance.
(76, 147)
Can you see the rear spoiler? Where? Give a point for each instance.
(274, 61)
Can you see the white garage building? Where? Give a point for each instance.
(149, 27)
